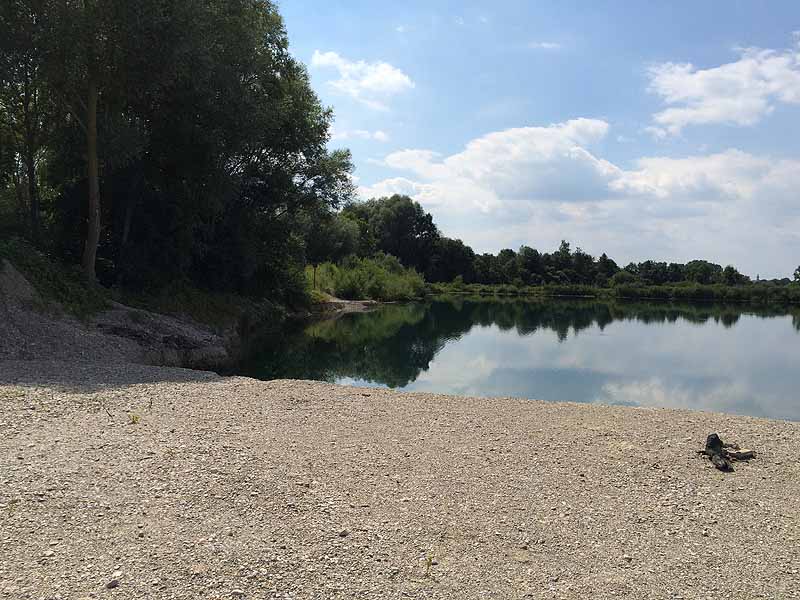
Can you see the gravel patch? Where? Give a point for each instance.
(30, 329)
(126, 481)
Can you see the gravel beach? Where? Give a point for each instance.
(127, 481)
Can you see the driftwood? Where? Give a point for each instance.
(722, 454)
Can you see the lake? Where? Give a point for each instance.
(705, 357)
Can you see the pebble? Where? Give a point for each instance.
(605, 538)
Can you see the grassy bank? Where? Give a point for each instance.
(60, 287)
(754, 294)
(64, 288)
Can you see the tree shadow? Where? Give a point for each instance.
(89, 377)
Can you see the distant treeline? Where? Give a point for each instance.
(400, 227)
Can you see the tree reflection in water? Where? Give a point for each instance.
(393, 345)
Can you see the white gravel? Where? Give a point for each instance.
(125, 481)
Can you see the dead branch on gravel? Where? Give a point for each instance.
(722, 455)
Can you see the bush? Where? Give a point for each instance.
(379, 278)
(623, 278)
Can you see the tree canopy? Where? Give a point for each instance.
(184, 140)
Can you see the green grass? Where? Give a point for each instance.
(57, 284)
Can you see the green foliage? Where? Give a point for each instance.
(211, 140)
(623, 278)
(398, 226)
(753, 294)
(58, 285)
(379, 278)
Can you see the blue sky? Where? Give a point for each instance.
(645, 130)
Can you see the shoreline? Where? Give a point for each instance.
(232, 487)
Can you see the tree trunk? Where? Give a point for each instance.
(122, 259)
(22, 209)
(93, 219)
(33, 195)
(29, 116)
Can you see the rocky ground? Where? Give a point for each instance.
(32, 329)
(124, 481)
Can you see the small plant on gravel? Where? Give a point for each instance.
(428, 565)
(105, 408)
(133, 419)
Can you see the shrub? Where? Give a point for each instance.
(381, 277)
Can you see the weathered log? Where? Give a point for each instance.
(741, 454)
(721, 462)
(721, 454)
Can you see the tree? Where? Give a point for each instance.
(531, 267)
(400, 227)
(606, 269)
(329, 237)
(797, 274)
(24, 99)
(90, 52)
(450, 259)
(624, 277)
(703, 272)
(731, 276)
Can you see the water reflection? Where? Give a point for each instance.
(709, 357)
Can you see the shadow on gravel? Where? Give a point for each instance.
(87, 377)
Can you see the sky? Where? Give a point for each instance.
(666, 131)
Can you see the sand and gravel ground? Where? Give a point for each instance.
(181, 484)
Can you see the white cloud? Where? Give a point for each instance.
(736, 93)
(400, 29)
(370, 83)
(544, 46)
(459, 21)
(359, 134)
(545, 163)
(390, 187)
(538, 185)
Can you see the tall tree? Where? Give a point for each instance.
(400, 227)
(96, 52)
(23, 96)
(328, 237)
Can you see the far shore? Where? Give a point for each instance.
(127, 481)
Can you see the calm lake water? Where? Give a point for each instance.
(704, 357)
